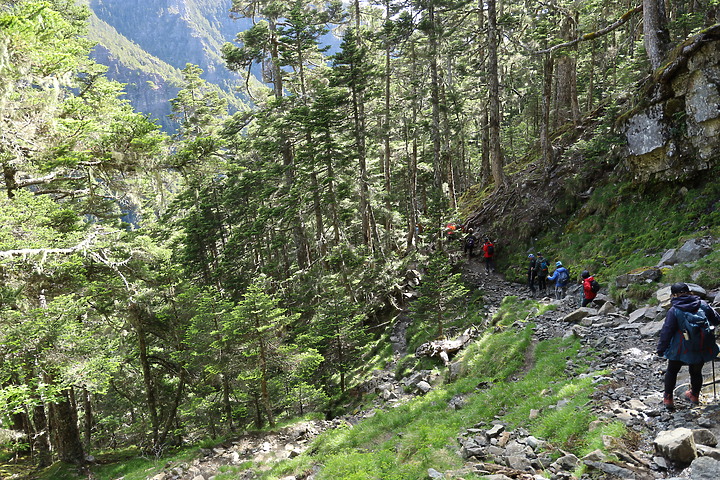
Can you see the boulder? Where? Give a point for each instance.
(703, 436)
(651, 274)
(677, 445)
(705, 468)
(579, 314)
(692, 250)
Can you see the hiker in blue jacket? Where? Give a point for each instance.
(561, 277)
(674, 342)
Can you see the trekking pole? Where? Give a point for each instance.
(713, 372)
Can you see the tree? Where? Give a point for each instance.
(256, 324)
(439, 291)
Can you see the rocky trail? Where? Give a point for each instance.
(629, 390)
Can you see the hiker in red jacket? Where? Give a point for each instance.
(590, 288)
(489, 254)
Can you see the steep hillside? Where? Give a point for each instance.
(147, 43)
(634, 178)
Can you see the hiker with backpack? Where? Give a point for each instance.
(489, 254)
(687, 338)
(532, 273)
(561, 277)
(469, 244)
(541, 272)
(590, 288)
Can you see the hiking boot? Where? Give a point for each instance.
(692, 398)
(668, 402)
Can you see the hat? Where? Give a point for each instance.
(678, 288)
(558, 264)
(585, 274)
(531, 256)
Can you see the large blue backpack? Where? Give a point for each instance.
(697, 344)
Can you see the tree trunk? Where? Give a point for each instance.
(150, 398)
(89, 419)
(65, 432)
(545, 144)
(656, 37)
(566, 102)
(496, 160)
(41, 438)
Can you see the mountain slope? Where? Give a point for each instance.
(145, 44)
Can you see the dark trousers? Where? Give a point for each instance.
(489, 264)
(531, 281)
(542, 281)
(673, 368)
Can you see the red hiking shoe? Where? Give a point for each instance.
(669, 402)
(694, 399)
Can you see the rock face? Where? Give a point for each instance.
(678, 131)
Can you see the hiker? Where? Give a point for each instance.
(532, 273)
(489, 255)
(469, 243)
(590, 288)
(560, 276)
(541, 272)
(687, 338)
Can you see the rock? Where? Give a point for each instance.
(434, 474)
(611, 469)
(706, 451)
(703, 436)
(692, 250)
(651, 274)
(705, 468)
(677, 445)
(568, 462)
(607, 308)
(579, 314)
(651, 329)
(424, 386)
(520, 462)
(495, 431)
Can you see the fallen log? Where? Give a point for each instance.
(444, 348)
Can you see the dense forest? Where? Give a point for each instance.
(158, 289)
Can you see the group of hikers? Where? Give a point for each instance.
(470, 241)
(687, 336)
(537, 272)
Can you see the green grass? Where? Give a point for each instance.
(402, 443)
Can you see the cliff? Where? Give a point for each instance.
(675, 130)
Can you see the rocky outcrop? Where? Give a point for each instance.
(677, 131)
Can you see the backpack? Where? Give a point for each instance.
(563, 277)
(490, 249)
(542, 266)
(470, 241)
(698, 338)
(594, 286)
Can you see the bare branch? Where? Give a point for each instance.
(25, 252)
(593, 35)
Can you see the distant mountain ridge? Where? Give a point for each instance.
(145, 44)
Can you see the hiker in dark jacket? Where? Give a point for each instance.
(469, 244)
(673, 344)
(541, 272)
(531, 273)
(561, 277)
